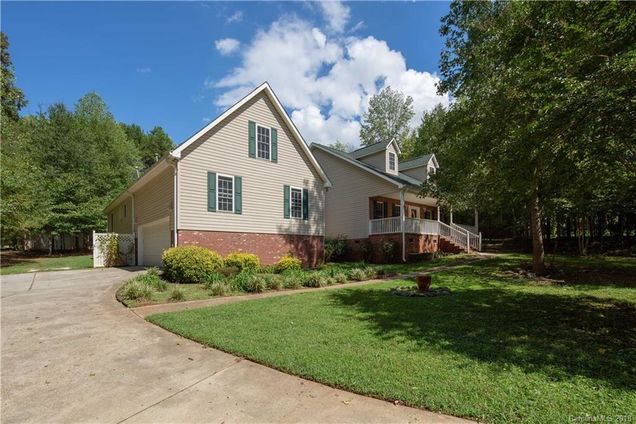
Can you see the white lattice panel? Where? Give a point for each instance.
(125, 242)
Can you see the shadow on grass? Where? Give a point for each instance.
(558, 336)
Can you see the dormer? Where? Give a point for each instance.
(382, 155)
(420, 167)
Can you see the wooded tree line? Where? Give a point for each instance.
(542, 127)
(541, 134)
(62, 166)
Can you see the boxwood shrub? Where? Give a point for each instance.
(190, 264)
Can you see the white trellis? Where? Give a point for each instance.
(126, 243)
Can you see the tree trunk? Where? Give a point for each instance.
(538, 254)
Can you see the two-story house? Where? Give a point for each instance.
(375, 197)
(246, 182)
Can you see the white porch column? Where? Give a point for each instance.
(402, 224)
(476, 222)
(451, 215)
(438, 213)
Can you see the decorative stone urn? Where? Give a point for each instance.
(423, 282)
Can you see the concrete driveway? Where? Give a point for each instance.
(72, 353)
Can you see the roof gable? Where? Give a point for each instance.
(400, 180)
(374, 148)
(267, 90)
(418, 161)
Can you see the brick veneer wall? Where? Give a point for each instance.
(269, 247)
(415, 243)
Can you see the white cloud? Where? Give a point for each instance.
(336, 14)
(235, 17)
(144, 70)
(227, 46)
(325, 80)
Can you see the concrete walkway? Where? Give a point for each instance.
(72, 353)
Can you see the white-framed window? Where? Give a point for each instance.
(224, 193)
(392, 161)
(431, 170)
(263, 142)
(296, 202)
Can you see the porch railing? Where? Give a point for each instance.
(455, 233)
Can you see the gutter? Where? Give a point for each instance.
(175, 182)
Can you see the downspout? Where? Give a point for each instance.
(403, 222)
(175, 183)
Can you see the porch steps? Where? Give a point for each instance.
(446, 245)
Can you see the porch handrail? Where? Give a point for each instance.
(474, 240)
(411, 226)
(458, 236)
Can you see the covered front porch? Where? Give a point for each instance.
(405, 213)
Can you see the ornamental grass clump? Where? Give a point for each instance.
(135, 289)
(190, 264)
(357, 274)
(314, 279)
(340, 278)
(176, 295)
(219, 288)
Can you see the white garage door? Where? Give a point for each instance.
(155, 238)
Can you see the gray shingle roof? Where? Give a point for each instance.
(400, 178)
(415, 162)
(369, 150)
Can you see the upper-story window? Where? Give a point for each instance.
(225, 193)
(263, 142)
(392, 161)
(431, 170)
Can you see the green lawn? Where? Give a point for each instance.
(20, 264)
(500, 348)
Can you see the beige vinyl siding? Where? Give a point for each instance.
(122, 217)
(153, 201)
(347, 202)
(419, 173)
(380, 160)
(224, 150)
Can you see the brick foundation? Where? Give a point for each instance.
(269, 247)
(415, 243)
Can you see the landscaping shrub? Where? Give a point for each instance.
(273, 282)
(212, 278)
(390, 250)
(357, 274)
(135, 289)
(228, 271)
(340, 278)
(153, 270)
(152, 280)
(335, 248)
(369, 273)
(287, 263)
(268, 269)
(314, 279)
(366, 249)
(219, 288)
(292, 280)
(189, 264)
(177, 295)
(330, 280)
(242, 261)
(249, 282)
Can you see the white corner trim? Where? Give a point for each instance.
(176, 153)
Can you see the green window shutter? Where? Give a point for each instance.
(211, 192)
(274, 146)
(305, 204)
(286, 200)
(238, 195)
(251, 126)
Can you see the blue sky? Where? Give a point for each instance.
(178, 65)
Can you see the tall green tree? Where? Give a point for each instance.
(12, 97)
(151, 146)
(544, 112)
(429, 135)
(388, 117)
